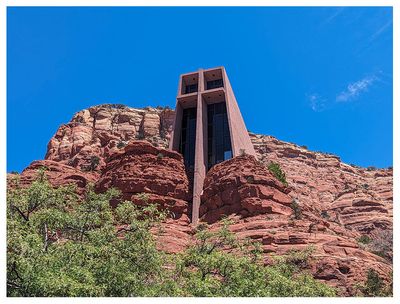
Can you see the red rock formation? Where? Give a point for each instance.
(337, 258)
(95, 131)
(149, 175)
(58, 175)
(359, 199)
(260, 208)
(140, 167)
(338, 202)
(242, 186)
(319, 180)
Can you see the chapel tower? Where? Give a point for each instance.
(208, 126)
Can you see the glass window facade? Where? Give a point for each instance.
(188, 136)
(218, 83)
(191, 88)
(219, 140)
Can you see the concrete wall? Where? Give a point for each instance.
(239, 135)
(200, 159)
(240, 139)
(176, 130)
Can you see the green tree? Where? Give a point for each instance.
(374, 286)
(221, 265)
(59, 244)
(276, 170)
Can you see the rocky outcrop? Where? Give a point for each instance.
(359, 199)
(242, 186)
(260, 208)
(93, 133)
(149, 175)
(57, 173)
(146, 174)
(337, 258)
(336, 203)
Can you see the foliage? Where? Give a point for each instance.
(382, 244)
(59, 244)
(250, 179)
(325, 214)
(242, 152)
(298, 258)
(160, 156)
(364, 239)
(365, 186)
(276, 170)
(375, 286)
(143, 196)
(296, 209)
(140, 135)
(163, 108)
(121, 144)
(220, 265)
(115, 106)
(94, 162)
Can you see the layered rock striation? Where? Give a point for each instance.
(360, 199)
(327, 205)
(242, 186)
(93, 133)
(57, 173)
(261, 209)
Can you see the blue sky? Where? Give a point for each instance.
(320, 77)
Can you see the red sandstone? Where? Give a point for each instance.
(339, 202)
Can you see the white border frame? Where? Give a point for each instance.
(396, 148)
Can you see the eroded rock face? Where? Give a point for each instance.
(338, 202)
(149, 175)
(142, 168)
(360, 199)
(58, 174)
(93, 133)
(242, 186)
(261, 209)
(338, 259)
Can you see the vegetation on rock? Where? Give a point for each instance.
(276, 170)
(59, 244)
(296, 209)
(364, 239)
(380, 244)
(375, 286)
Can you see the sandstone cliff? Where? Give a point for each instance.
(327, 204)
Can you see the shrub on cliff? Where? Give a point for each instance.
(276, 170)
(94, 162)
(61, 245)
(296, 209)
(374, 286)
(220, 265)
(382, 244)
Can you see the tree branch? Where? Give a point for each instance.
(25, 217)
(46, 238)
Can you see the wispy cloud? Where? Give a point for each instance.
(336, 13)
(379, 25)
(354, 89)
(319, 103)
(380, 30)
(316, 102)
